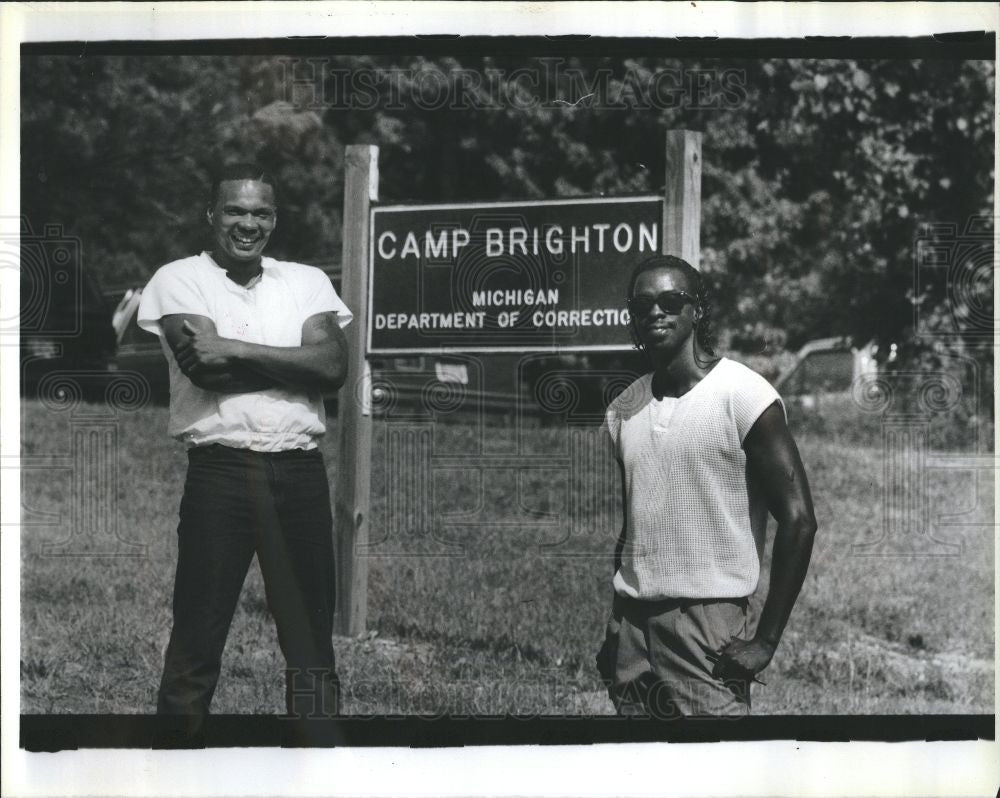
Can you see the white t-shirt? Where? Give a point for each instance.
(695, 528)
(269, 310)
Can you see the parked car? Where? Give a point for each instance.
(65, 326)
(827, 368)
(138, 350)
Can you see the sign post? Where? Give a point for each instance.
(682, 192)
(354, 422)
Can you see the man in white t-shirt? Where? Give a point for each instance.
(252, 344)
(704, 453)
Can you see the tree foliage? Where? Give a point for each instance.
(818, 176)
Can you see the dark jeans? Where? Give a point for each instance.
(236, 503)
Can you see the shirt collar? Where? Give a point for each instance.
(264, 265)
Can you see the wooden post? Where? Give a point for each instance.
(354, 421)
(682, 211)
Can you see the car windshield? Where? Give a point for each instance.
(822, 372)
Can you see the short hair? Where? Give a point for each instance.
(698, 285)
(240, 171)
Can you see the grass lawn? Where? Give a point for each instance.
(489, 581)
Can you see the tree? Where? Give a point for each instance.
(819, 176)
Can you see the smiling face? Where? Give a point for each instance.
(660, 331)
(242, 221)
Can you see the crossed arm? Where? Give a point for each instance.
(226, 365)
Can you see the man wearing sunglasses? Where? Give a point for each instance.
(704, 454)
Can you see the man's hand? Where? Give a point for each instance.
(318, 364)
(205, 350)
(181, 330)
(743, 659)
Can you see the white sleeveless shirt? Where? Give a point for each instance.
(695, 526)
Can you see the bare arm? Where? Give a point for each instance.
(319, 363)
(773, 462)
(607, 654)
(620, 545)
(222, 378)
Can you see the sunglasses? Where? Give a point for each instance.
(671, 302)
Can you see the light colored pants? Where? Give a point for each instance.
(656, 653)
